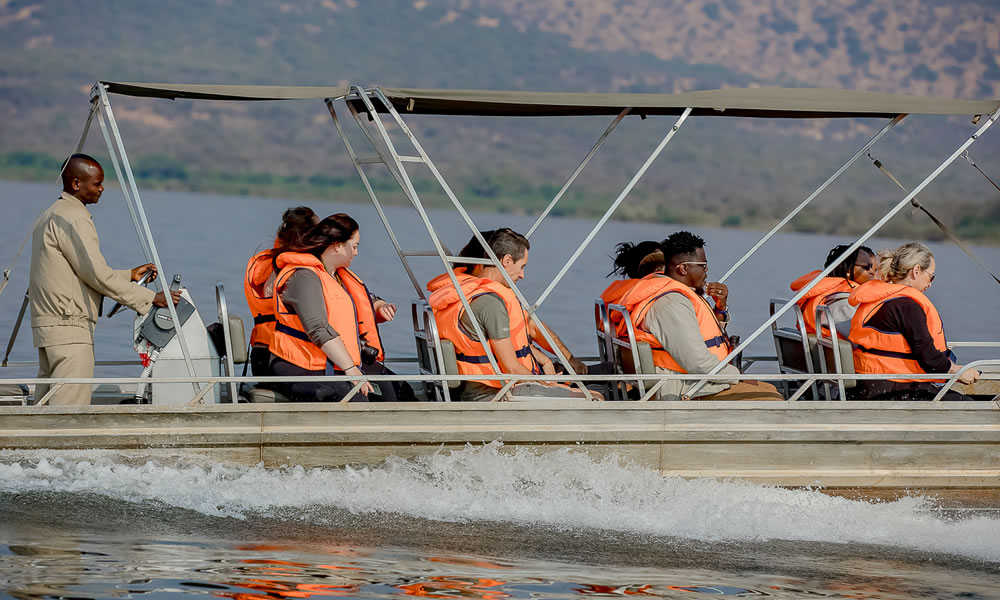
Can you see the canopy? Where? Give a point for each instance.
(766, 102)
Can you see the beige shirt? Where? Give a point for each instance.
(69, 276)
(672, 321)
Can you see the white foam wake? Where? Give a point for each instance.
(563, 488)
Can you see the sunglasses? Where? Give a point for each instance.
(866, 266)
(692, 262)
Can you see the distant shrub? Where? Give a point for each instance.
(923, 72)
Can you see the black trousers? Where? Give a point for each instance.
(260, 361)
(905, 390)
(310, 391)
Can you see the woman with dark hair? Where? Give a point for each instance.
(833, 290)
(326, 315)
(258, 285)
(632, 262)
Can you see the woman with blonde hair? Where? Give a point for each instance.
(897, 329)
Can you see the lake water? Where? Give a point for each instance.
(478, 523)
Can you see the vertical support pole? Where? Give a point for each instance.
(576, 173)
(374, 197)
(614, 206)
(864, 237)
(145, 229)
(811, 197)
(125, 190)
(468, 220)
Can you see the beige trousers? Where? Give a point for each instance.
(744, 390)
(66, 360)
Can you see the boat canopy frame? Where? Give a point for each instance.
(377, 102)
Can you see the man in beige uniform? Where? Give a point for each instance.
(68, 280)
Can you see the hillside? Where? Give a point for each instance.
(732, 172)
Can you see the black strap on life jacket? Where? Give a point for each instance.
(261, 319)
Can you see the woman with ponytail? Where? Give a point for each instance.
(258, 285)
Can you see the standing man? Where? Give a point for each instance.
(686, 332)
(68, 280)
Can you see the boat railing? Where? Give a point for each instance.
(207, 383)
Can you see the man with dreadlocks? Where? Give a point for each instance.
(686, 332)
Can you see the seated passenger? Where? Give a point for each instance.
(686, 333)
(633, 262)
(833, 290)
(474, 249)
(326, 314)
(897, 329)
(258, 286)
(502, 319)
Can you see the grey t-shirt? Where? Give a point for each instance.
(303, 296)
(491, 313)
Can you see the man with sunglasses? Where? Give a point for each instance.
(686, 331)
(832, 291)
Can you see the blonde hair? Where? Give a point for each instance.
(895, 263)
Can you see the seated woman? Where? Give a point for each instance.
(258, 286)
(897, 329)
(633, 262)
(326, 314)
(834, 289)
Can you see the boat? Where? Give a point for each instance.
(198, 406)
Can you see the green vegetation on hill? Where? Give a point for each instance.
(728, 172)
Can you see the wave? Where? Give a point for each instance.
(564, 488)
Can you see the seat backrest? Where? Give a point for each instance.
(793, 348)
(440, 353)
(603, 327)
(836, 354)
(631, 356)
(238, 337)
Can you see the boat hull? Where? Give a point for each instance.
(870, 445)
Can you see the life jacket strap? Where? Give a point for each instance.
(889, 353)
(261, 319)
(479, 359)
(291, 331)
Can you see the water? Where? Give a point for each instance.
(478, 523)
(486, 522)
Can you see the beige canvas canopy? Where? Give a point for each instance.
(766, 102)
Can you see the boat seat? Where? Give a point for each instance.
(631, 356)
(13, 394)
(836, 355)
(795, 351)
(434, 355)
(261, 395)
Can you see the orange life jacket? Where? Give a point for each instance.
(613, 294)
(469, 354)
(443, 280)
(349, 310)
(818, 295)
(887, 351)
(652, 287)
(259, 270)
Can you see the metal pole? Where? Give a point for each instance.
(411, 192)
(826, 271)
(178, 326)
(475, 230)
(374, 198)
(812, 196)
(576, 173)
(607, 215)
